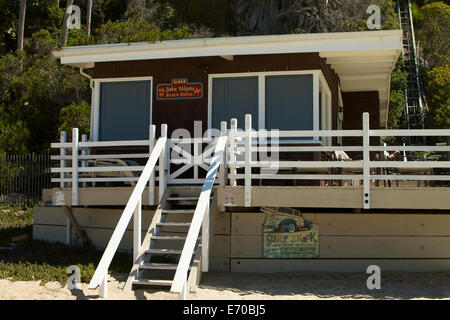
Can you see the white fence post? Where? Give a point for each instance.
(103, 290)
(205, 240)
(366, 161)
(75, 166)
(151, 183)
(248, 159)
(84, 152)
(233, 157)
(62, 175)
(223, 175)
(137, 218)
(162, 164)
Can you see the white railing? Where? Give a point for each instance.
(201, 219)
(244, 156)
(133, 208)
(89, 168)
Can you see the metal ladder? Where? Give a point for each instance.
(415, 105)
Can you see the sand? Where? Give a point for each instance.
(239, 286)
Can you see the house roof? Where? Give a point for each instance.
(363, 60)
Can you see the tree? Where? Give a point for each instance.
(438, 97)
(21, 27)
(88, 17)
(433, 34)
(65, 26)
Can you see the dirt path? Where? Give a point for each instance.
(235, 286)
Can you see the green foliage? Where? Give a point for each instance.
(397, 97)
(438, 97)
(14, 221)
(75, 116)
(433, 34)
(40, 260)
(132, 31)
(34, 89)
(390, 19)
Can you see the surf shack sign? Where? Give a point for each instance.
(179, 89)
(286, 234)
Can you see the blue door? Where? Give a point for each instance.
(124, 110)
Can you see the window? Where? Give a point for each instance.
(123, 109)
(288, 100)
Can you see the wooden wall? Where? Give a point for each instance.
(197, 70)
(347, 241)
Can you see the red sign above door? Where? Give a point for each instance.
(179, 89)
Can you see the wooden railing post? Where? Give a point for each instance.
(151, 183)
(84, 153)
(75, 166)
(205, 240)
(248, 159)
(162, 164)
(103, 290)
(62, 175)
(232, 151)
(137, 223)
(366, 161)
(223, 168)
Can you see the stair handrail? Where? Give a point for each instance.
(201, 216)
(100, 276)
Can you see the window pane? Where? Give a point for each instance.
(289, 102)
(234, 98)
(124, 110)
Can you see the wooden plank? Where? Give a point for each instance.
(250, 246)
(338, 197)
(411, 198)
(220, 222)
(338, 265)
(46, 195)
(88, 217)
(345, 197)
(112, 196)
(80, 234)
(247, 223)
(384, 247)
(99, 237)
(247, 246)
(220, 246)
(219, 264)
(384, 224)
(338, 224)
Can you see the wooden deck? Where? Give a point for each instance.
(415, 198)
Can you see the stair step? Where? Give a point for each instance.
(148, 282)
(173, 198)
(178, 211)
(159, 266)
(164, 251)
(177, 238)
(173, 224)
(168, 238)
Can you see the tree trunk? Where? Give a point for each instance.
(88, 17)
(65, 26)
(20, 31)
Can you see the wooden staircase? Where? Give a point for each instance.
(162, 246)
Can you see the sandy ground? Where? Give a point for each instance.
(235, 286)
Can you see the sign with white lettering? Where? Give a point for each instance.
(179, 89)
